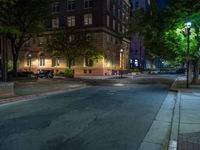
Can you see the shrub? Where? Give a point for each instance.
(69, 73)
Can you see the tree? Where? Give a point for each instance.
(148, 24)
(176, 16)
(72, 43)
(163, 32)
(20, 19)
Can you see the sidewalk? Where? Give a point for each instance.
(177, 124)
(42, 87)
(186, 121)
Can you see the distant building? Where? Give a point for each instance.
(106, 20)
(138, 58)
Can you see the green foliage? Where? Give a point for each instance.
(68, 72)
(20, 19)
(162, 31)
(72, 43)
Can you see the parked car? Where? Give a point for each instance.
(45, 74)
(154, 71)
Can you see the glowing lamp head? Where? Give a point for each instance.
(188, 25)
(121, 50)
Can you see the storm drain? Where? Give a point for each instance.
(189, 141)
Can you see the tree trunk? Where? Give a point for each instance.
(196, 71)
(190, 71)
(69, 63)
(15, 59)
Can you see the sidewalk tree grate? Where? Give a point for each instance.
(189, 141)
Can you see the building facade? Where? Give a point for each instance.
(105, 20)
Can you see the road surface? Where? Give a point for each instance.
(115, 117)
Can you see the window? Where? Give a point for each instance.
(88, 62)
(55, 23)
(108, 38)
(71, 21)
(114, 10)
(123, 29)
(88, 3)
(108, 21)
(55, 7)
(119, 28)
(123, 17)
(42, 60)
(71, 5)
(41, 41)
(108, 4)
(87, 19)
(113, 24)
(119, 13)
(73, 62)
(55, 61)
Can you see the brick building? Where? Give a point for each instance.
(106, 20)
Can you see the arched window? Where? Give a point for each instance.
(88, 62)
(42, 59)
(55, 61)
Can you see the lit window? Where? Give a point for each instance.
(87, 19)
(88, 4)
(55, 23)
(42, 60)
(55, 61)
(71, 21)
(71, 5)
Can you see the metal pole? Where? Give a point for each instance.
(121, 63)
(188, 50)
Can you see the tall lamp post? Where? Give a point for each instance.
(121, 60)
(30, 61)
(188, 27)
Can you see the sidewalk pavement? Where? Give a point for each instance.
(30, 89)
(185, 133)
(177, 124)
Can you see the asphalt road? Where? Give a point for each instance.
(96, 118)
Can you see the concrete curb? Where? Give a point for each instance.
(157, 138)
(175, 124)
(33, 96)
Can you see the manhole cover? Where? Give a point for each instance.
(189, 141)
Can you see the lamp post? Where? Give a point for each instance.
(121, 60)
(30, 60)
(188, 26)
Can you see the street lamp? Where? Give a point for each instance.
(188, 26)
(121, 60)
(30, 59)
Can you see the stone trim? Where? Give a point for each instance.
(6, 90)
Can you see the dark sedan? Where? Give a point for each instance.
(45, 74)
